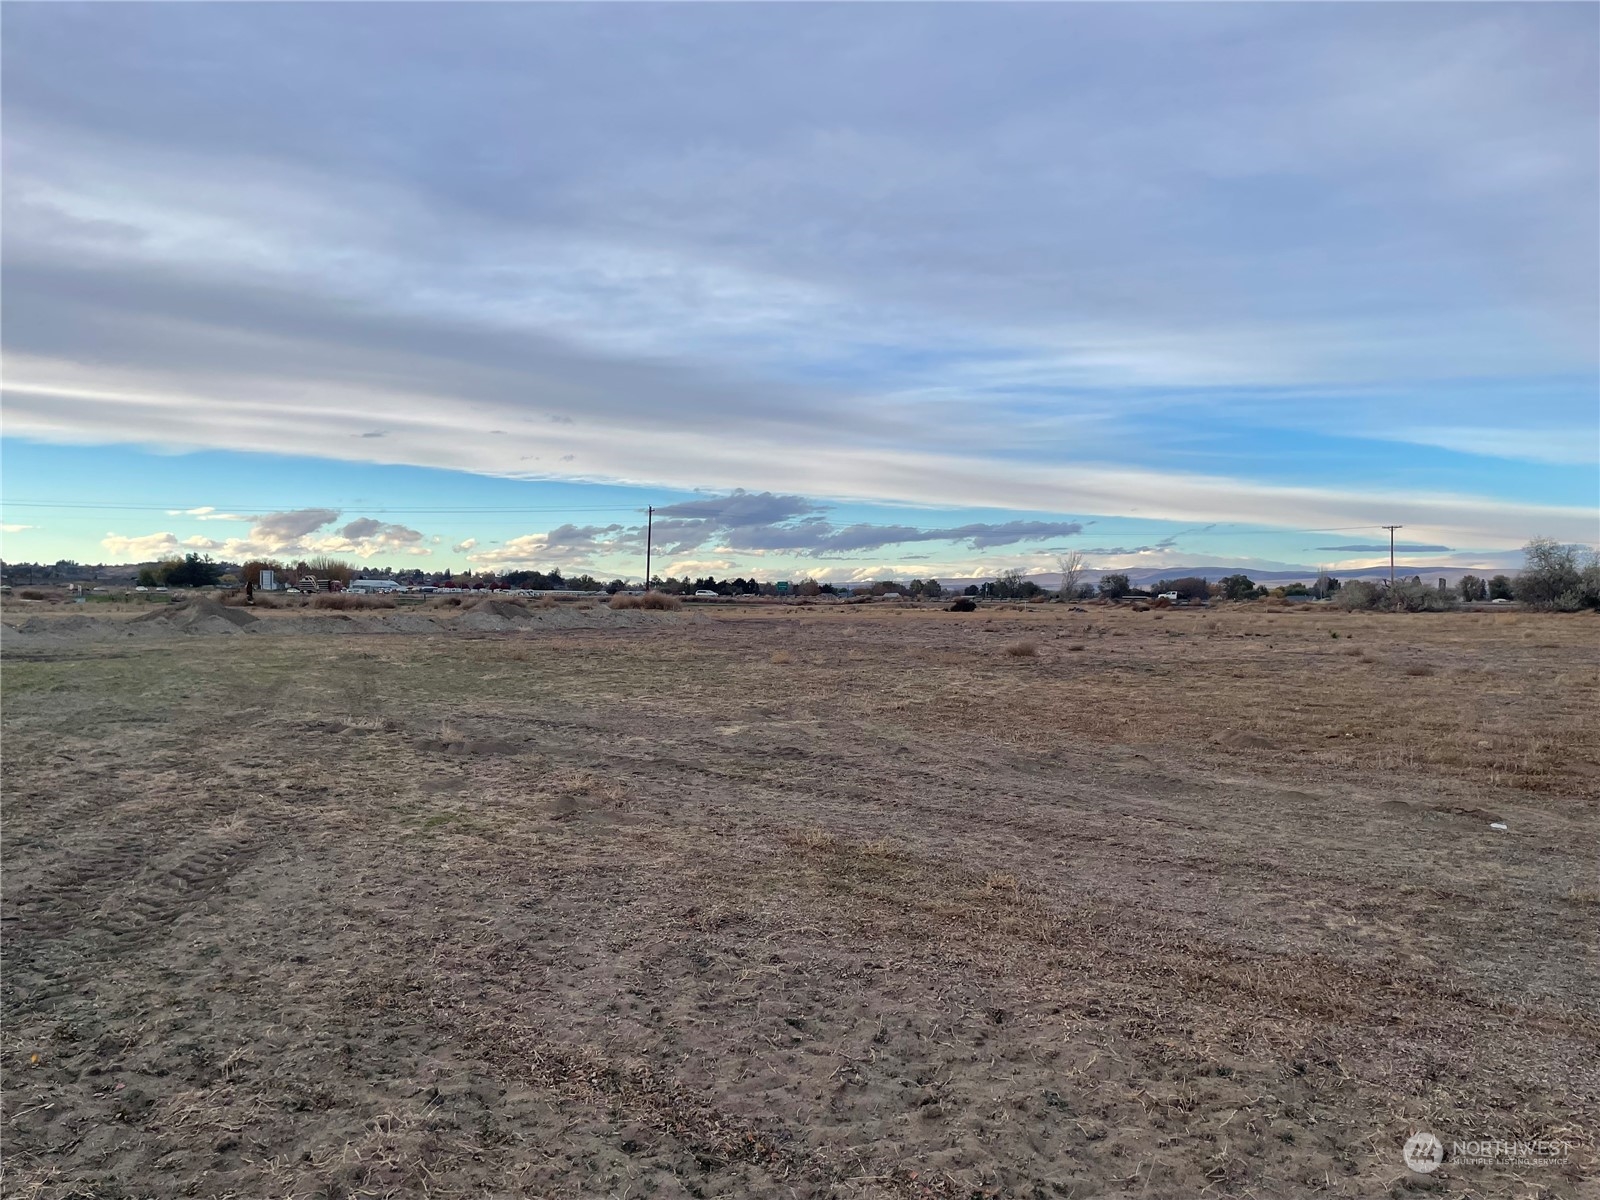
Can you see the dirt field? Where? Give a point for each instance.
(801, 902)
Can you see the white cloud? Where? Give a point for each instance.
(799, 460)
(1576, 446)
(142, 548)
(15, 528)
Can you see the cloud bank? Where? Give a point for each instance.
(300, 533)
(1080, 259)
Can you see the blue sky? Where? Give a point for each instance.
(902, 289)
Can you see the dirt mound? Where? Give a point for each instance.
(58, 625)
(504, 609)
(201, 615)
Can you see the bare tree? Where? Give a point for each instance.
(1071, 568)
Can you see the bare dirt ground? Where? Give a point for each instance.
(843, 902)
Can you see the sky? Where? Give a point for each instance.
(842, 291)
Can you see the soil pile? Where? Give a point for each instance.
(488, 616)
(199, 616)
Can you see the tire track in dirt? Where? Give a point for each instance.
(55, 905)
(145, 909)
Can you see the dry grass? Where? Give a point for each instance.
(342, 602)
(1419, 669)
(911, 905)
(1023, 650)
(780, 658)
(654, 601)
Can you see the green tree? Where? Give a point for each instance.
(1472, 588)
(155, 575)
(194, 571)
(1237, 587)
(1115, 585)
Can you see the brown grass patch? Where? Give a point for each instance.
(340, 602)
(655, 601)
(1023, 650)
(780, 658)
(1419, 669)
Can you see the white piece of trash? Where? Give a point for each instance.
(1500, 825)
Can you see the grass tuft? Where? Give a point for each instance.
(655, 601)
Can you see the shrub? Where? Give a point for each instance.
(1022, 650)
(781, 657)
(1404, 596)
(1558, 576)
(962, 605)
(33, 594)
(656, 601)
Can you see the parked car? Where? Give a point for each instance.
(712, 595)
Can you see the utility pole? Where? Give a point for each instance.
(1391, 529)
(650, 528)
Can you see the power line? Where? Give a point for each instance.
(218, 510)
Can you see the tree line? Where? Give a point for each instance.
(1556, 576)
